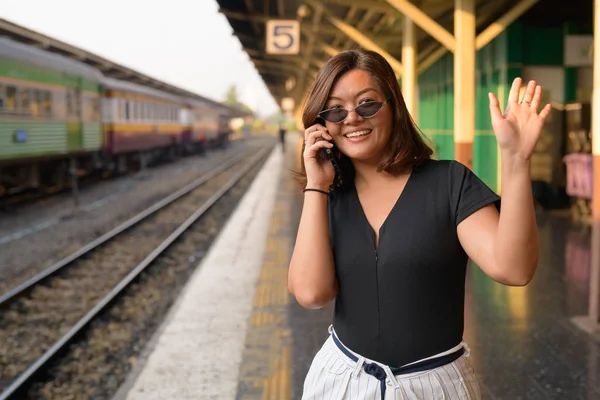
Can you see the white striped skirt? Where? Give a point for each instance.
(335, 376)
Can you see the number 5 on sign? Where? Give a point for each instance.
(283, 37)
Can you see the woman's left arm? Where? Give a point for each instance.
(506, 246)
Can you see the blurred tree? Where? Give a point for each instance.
(231, 99)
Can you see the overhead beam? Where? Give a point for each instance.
(486, 36)
(316, 62)
(373, 5)
(308, 49)
(275, 64)
(339, 37)
(244, 16)
(367, 43)
(362, 26)
(329, 50)
(425, 22)
(250, 8)
(252, 52)
(325, 29)
(496, 28)
(431, 59)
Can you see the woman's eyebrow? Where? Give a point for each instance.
(357, 94)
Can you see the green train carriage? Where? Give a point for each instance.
(49, 113)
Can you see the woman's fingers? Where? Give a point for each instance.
(312, 129)
(529, 91)
(312, 150)
(535, 102)
(513, 95)
(314, 136)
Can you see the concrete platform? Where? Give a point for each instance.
(198, 350)
(236, 333)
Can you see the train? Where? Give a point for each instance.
(60, 118)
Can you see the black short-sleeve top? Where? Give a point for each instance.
(404, 301)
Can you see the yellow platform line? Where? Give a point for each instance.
(277, 387)
(265, 372)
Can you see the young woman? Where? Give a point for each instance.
(387, 232)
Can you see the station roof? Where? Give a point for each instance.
(108, 68)
(378, 20)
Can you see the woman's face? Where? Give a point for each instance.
(361, 139)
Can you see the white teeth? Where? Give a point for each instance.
(358, 133)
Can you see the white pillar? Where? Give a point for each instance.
(409, 64)
(596, 115)
(464, 81)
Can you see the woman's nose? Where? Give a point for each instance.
(352, 117)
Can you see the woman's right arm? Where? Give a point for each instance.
(311, 276)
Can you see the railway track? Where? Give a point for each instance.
(43, 315)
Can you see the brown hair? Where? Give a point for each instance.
(406, 147)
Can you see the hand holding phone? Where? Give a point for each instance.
(320, 170)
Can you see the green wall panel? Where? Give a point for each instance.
(570, 84)
(543, 46)
(485, 159)
(513, 44)
(443, 145)
(497, 65)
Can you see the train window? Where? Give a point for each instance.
(59, 104)
(10, 98)
(47, 102)
(118, 107)
(127, 115)
(35, 102)
(94, 110)
(138, 111)
(69, 102)
(24, 100)
(73, 102)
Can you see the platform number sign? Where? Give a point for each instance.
(283, 37)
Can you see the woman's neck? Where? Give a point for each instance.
(366, 175)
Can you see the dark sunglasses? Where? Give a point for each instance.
(365, 110)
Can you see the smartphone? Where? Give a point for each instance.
(331, 156)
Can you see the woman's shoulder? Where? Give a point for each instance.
(433, 168)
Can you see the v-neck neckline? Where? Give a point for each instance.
(370, 229)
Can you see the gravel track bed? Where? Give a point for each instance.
(121, 199)
(31, 325)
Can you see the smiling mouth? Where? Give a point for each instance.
(364, 132)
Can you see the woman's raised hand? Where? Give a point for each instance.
(518, 130)
(319, 172)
